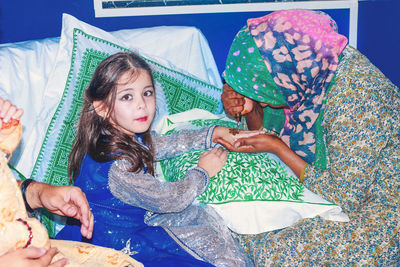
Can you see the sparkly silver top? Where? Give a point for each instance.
(198, 229)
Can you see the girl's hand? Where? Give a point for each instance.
(31, 257)
(230, 135)
(213, 160)
(9, 114)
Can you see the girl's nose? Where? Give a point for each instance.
(140, 103)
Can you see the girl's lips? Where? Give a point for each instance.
(142, 119)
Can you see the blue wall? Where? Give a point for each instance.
(378, 33)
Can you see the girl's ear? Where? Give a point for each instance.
(100, 108)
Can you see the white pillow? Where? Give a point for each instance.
(253, 193)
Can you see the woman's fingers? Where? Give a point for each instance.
(233, 102)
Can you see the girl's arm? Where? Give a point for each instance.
(147, 192)
(169, 146)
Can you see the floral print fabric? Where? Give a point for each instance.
(361, 128)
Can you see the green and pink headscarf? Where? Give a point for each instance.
(288, 57)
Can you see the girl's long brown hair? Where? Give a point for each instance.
(95, 134)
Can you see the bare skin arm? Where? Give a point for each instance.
(267, 143)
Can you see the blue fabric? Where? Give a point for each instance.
(117, 224)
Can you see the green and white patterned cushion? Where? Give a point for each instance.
(175, 92)
(245, 177)
(253, 193)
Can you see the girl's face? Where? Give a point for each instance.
(135, 103)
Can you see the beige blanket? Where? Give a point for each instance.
(15, 234)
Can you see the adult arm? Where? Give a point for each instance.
(62, 200)
(268, 143)
(362, 125)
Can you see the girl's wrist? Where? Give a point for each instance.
(218, 132)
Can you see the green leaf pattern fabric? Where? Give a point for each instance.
(245, 177)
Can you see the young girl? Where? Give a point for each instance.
(112, 162)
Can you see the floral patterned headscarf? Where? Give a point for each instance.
(298, 53)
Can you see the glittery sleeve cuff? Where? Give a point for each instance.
(209, 142)
(204, 173)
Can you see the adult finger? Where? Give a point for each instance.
(18, 114)
(78, 199)
(224, 155)
(89, 230)
(33, 252)
(6, 105)
(225, 143)
(9, 113)
(60, 263)
(45, 260)
(220, 151)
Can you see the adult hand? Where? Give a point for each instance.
(9, 112)
(213, 160)
(233, 102)
(31, 257)
(253, 144)
(231, 135)
(62, 200)
(267, 143)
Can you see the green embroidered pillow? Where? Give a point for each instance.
(253, 193)
(80, 52)
(245, 177)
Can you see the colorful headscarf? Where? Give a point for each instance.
(299, 51)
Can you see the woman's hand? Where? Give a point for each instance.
(236, 104)
(31, 257)
(67, 201)
(267, 143)
(230, 135)
(254, 144)
(213, 160)
(233, 102)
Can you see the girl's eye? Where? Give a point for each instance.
(148, 93)
(127, 97)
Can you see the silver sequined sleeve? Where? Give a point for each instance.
(168, 146)
(147, 192)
